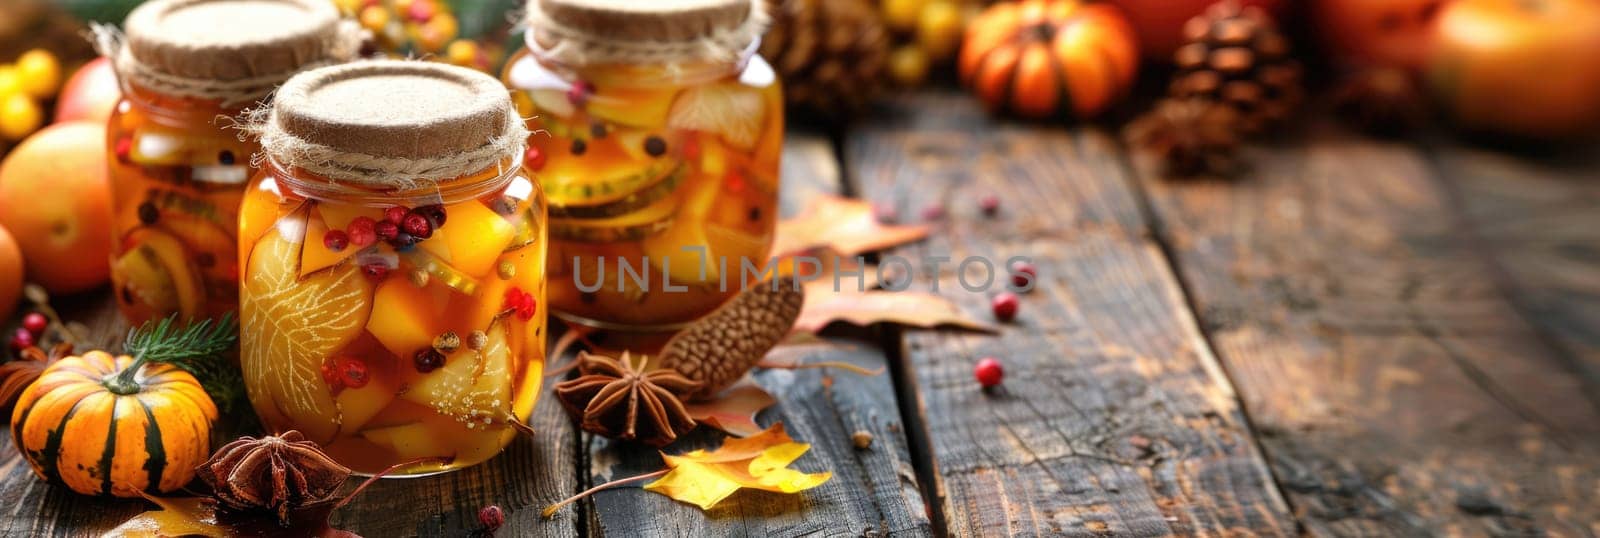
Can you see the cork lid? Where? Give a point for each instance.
(229, 40)
(612, 31)
(392, 122)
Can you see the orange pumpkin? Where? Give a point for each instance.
(1041, 58)
(86, 427)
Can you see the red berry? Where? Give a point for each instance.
(427, 360)
(375, 272)
(22, 339)
(734, 182)
(353, 372)
(416, 225)
(435, 214)
(988, 372)
(124, 149)
(335, 240)
(1005, 306)
(886, 213)
(934, 211)
(420, 11)
(386, 231)
(533, 158)
(1023, 275)
(361, 232)
(579, 93)
(330, 374)
(990, 204)
(35, 323)
(395, 214)
(492, 518)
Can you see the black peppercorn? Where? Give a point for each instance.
(597, 130)
(578, 146)
(148, 214)
(655, 146)
(226, 157)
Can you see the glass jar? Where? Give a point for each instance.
(177, 173)
(389, 316)
(661, 168)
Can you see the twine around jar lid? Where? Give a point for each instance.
(590, 32)
(391, 123)
(235, 51)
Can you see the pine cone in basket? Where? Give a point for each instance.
(832, 55)
(1236, 55)
(1189, 136)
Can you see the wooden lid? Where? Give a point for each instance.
(227, 40)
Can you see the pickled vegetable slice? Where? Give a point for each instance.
(158, 270)
(314, 253)
(634, 107)
(289, 326)
(472, 238)
(639, 224)
(405, 318)
(640, 198)
(583, 182)
(473, 387)
(729, 109)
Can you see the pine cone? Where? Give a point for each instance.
(719, 348)
(831, 54)
(1382, 101)
(1190, 136)
(1236, 55)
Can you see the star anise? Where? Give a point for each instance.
(272, 474)
(17, 374)
(615, 399)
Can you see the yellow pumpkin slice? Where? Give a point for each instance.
(289, 326)
(156, 265)
(314, 254)
(471, 239)
(473, 387)
(405, 318)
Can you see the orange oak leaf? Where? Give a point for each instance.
(734, 409)
(845, 225)
(847, 300)
(761, 461)
(182, 516)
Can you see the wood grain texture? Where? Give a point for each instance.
(1396, 391)
(1538, 219)
(872, 492)
(1114, 417)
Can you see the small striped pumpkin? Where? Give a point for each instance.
(78, 427)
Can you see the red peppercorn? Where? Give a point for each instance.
(435, 214)
(124, 149)
(22, 339)
(353, 372)
(385, 230)
(533, 158)
(492, 518)
(579, 93)
(395, 214)
(35, 323)
(330, 374)
(375, 272)
(1024, 275)
(734, 182)
(335, 240)
(989, 372)
(427, 360)
(417, 225)
(361, 232)
(990, 204)
(1005, 306)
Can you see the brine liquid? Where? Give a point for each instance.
(676, 181)
(310, 313)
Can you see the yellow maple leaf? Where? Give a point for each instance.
(760, 461)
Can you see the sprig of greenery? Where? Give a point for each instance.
(197, 348)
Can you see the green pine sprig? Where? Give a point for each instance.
(196, 348)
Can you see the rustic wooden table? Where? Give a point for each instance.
(1358, 337)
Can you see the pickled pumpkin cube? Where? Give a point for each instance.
(406, 318)
(472, 387)
(472, 239)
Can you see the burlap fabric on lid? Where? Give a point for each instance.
(235, 51)
(590, 32)
(391, 123)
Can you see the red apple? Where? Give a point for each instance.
(90, 94)
(1525, 68)
(1159, 23)
(1376, 33)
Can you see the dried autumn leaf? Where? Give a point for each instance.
(760, 461)
(825, 304)
(846, 226)
(734, 410)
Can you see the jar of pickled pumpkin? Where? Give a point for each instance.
(657, 136)
(392, 257)
(177, 172)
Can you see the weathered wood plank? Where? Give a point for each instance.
(1538, 218)
(1114, 416)
(1396, 390)
(529, 475)
(872, 492)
